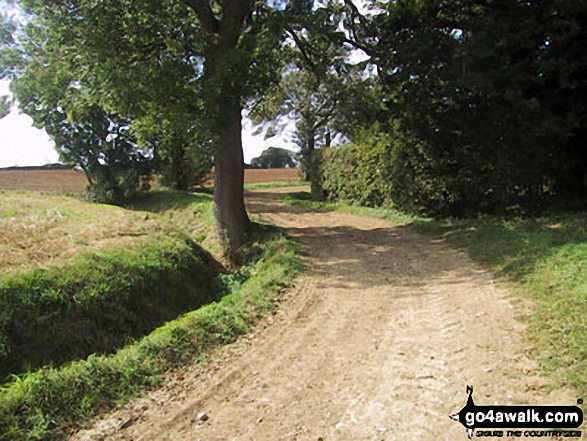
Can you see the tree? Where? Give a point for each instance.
(4, 106)
(312, 104)
(183, 159)
(6, 30)
(274, 157)
(471, 90)
(85, 135)
(201, 60)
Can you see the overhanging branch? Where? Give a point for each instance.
(300, 45)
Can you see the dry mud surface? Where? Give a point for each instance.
(376, 341)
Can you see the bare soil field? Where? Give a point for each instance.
(253, 176)
(72, 181)
(376, 341)
(69, 181)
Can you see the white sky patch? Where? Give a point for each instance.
(21, 143)
(254, 145)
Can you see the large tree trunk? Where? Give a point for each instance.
(224, 28)
(232, 222)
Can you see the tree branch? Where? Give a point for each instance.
(360, 46)
(355, 14)
(353, 8)
(205, 15)
(300, 45)
(235, 12)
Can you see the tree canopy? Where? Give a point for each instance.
(484, 99)
(190, 64)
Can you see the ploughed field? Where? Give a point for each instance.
(72, 181)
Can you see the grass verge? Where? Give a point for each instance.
(51, 403)
(303, 199)
(274, 184)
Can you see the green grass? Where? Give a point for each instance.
(192, 213)
(543, 259)
(118, 276)
(303, 199)
(276, 184)
(50, 403)
(8, 213)
(100, 300)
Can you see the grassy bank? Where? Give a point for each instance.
(276, 184)
(99, 301)
(303, 199)
(543, 259)
(80, 278)
(50, 403)
(191, 213)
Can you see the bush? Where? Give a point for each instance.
(118, 185)
(427, 178)
(421, 184)
(359, 173)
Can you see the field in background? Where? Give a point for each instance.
(253, 176)
(72, 181)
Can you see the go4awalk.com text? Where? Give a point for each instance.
(519, 421)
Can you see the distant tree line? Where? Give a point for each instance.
(274, 157)
(54, 166)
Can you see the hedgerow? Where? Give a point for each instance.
(359, 173)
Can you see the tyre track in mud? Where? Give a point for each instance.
(377, 340)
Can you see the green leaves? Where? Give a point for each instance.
(274, 157)
(472, 92)
(4, 106)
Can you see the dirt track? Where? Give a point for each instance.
(376, 341)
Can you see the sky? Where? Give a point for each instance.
(21, 144)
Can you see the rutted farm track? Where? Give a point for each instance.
(376, 341)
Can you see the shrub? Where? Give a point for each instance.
(359, 173)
